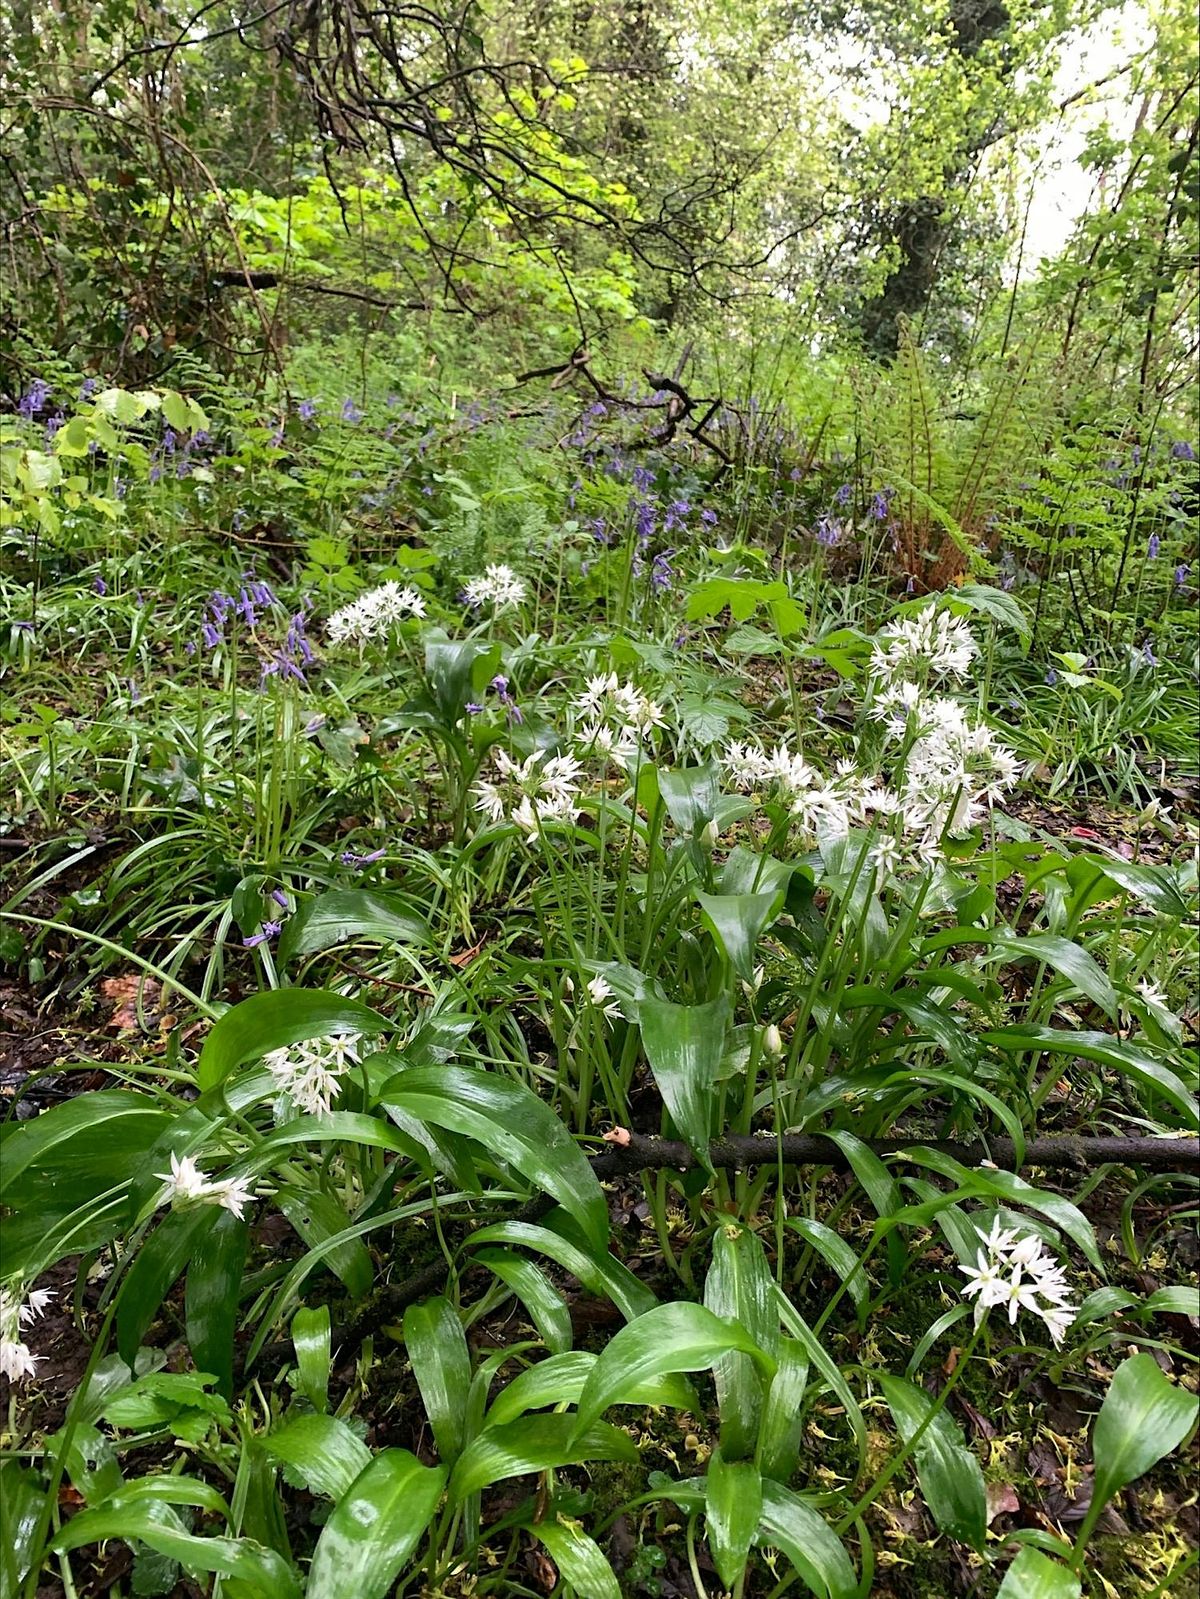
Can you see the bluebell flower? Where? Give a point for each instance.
(661, 572)
(351, 412)
(1182, 572)
(349, 858)
(99, 586)
(708, 517)
(844, 495)
(1154, 544)
(1148, 654)
(34, 398)
(879, 505)
(267, 931)
(87, 388)
(1183, 451)
(280, 899)
(677, 511)
(828, 532)
(211, 635)
(53, 424)
(1051, 677)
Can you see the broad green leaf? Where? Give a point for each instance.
(511, 1122)
(836, 1252)
(777, 1451)
(580, 1560)
(1131, 1059)
(312, 1337)
(1156, 886)
(22, 1496)
(733, 1493)
(276, 1018)
(880, 1188)
(150, 1522)
(159, 1262)
(1068, 959)
(97, 1135)
(533, 1444)
(327, 1453)
(560, 1378)
(828, 1369)
(737, 922)
(669, 1338)
(603, 1275)
(441, 1363)
(317, 1217)
(546, 1306)
(691, 795)
(1001, 607)
(790, 1523)
(375, 1527)
(684, 1045)
(342, 916)
(214, 1282)
(950, 1476)
(740, 1287)
(1033, 1576)
(1143, 1418)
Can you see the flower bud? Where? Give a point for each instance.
(772, 1042)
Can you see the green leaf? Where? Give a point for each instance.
(836, 1253)
(214, 1282)
(312, 1337)
(513, 1123)
(740, 1287)
(441, 1363)
(317, 1217)
(669, 1338)
(327, 1453)
(343, 916)
(790, 1523)
(684, 1045)
(602, 1275)
(691, 795)
(1131, 1059)
(1001, 607)
(1143, 1418)
(262, 1571)
(533, 1444)
(1033, 1576)
(274, 1019)
(159, 1262)
(777, 1450)
(950, 1476)
(375, 1527)
(1155, 885)
(546, 1306)
(1068, 959)
(559, 1380)
(737, 922)
(579, 1559)
(733, 1493)
(22, 1496)
(102, 1132)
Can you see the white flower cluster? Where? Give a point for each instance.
(931, 644)
(187, 1183)
(17, 1360)
(499, 587)
(1019, 1274)
(823, 806)
(539, 789)
(601, 995)
(951, 767)
(309, 1074)
(374, 614)
(616, 717)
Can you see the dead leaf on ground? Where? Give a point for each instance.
(1001, 1500)
(128, 996)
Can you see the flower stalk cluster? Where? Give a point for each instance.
(1019, 1274)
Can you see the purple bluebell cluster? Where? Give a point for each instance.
(351, 412)
(1153, 546)
(829, 531)
(499, 687)
(178, 455)
(33, 401)
(254, 602)
(1183, 451)
(266, 933)
(359, 862)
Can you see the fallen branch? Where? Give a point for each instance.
(629, 1153)
(633, 1152)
